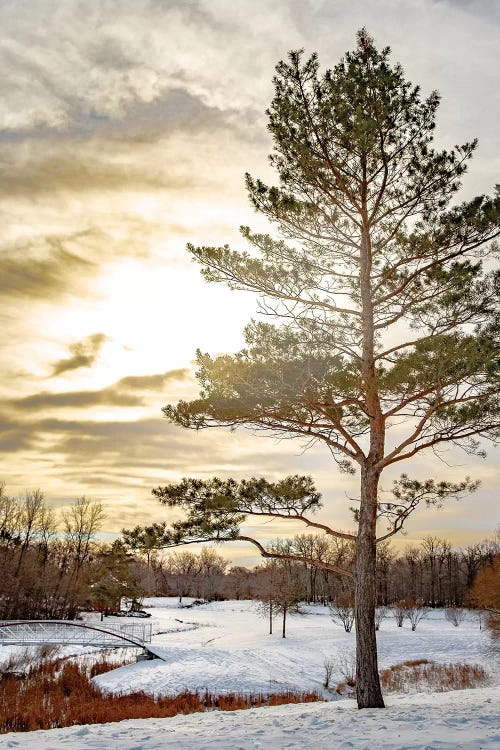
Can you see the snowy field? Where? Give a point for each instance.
(225, 647)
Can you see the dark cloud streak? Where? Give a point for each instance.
(83, 354)
(26, 274)
(152, 382)
(127, 392)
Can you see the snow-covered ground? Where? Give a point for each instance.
(463, 720)
(225, 647)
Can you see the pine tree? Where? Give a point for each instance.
(385, 302)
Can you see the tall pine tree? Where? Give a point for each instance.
(385, 308)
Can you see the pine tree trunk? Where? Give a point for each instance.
(368, 691)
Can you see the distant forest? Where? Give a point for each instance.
(55, 566)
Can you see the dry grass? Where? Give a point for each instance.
(61, 694)
(425, 676)
(422, 675)
(21, 661)
(493, 624)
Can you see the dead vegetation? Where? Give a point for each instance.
(60, 693)
(422, 675)
(427, 676)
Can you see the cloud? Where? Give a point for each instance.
(15, 436)
(83, 354)
(125, 129)
(130, 391)
(96, 66)
(42, 268)
(152, 382)
(77, 399)
(117, 459)
(106, 154)
(481, 8)
(76, 172)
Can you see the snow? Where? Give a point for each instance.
(463, 720)
(225, 647)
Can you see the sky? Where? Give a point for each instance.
(126, 128)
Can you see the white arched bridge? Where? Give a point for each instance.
(74, 632)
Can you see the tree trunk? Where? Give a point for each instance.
(433, 599)
(368, 691)
(284, 621)
(270, 618)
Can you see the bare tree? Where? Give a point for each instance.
(10, 519)
(288, 591)
(267, 606)
(455, 615)
(81, 523)
(415, 612)
(185, 569)
(342, 611)
(432, 548)
(380, 615)
(279, 592)
(398, 611)
(240, 583)
(30, 516)
(385, 558)
(212, 569)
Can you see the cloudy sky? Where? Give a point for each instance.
(125, 129)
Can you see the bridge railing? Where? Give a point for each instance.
(66, 632)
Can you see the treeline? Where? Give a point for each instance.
(432, 572)
(53, 566)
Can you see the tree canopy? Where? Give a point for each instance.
(353, 149)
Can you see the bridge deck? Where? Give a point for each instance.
(69, 632)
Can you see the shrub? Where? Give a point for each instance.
(493, 624)
(415, 611)
(20, 662)
(343, 611)
(398, 611)
(455, 615)
(329, 667)
(412, 609)
(345, 664)
(380, 614)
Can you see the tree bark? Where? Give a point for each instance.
(368, 691)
